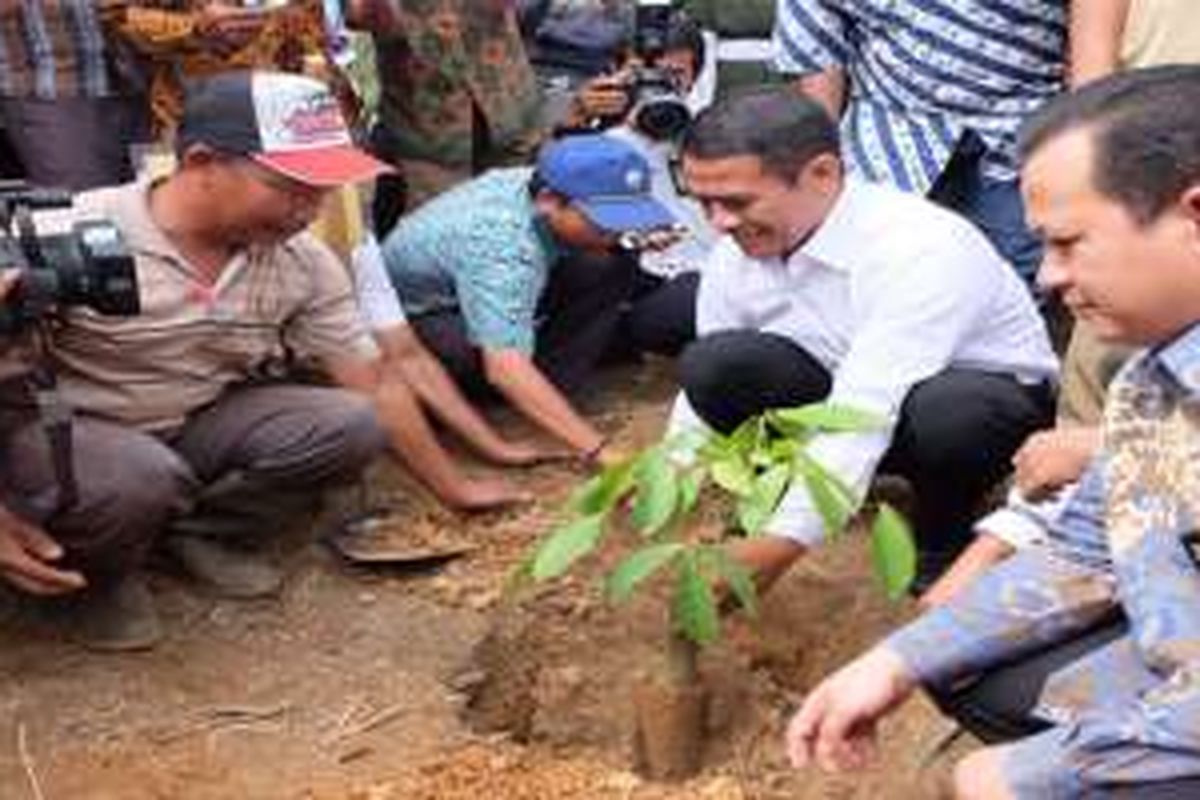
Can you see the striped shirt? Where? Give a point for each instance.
(923, 73)
(51, 49)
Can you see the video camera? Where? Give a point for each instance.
(87, 266)
(656, 100)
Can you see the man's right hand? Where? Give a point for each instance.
(1048, 460)
(604, 97)
(835, 727)
(27, 556)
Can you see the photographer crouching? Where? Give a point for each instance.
(187, 429)
(647, 101)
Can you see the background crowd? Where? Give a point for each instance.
(357, 225)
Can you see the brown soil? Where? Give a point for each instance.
(386, 684)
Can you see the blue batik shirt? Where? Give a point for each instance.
(923, 73)
(479, 249)
(1129, 712)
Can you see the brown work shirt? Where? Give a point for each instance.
(191, 341)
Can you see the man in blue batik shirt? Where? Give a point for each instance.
(931, 92)
(1112, 182)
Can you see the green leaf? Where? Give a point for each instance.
(693, 609)
(827, 417)
(739, 578)
(690, 486)
(566, 545)
(784, 449)
(827, 493)
(602, 493)
(638, 567)
(755, 509)
(893, 552)
(733, 474)
(657, 486)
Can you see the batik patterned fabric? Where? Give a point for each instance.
(292, 38)
(1129, 712)
(922, 73)
(457, 91)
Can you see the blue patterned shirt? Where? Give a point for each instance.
(1129, 712)
(922, 73)
(479, 249)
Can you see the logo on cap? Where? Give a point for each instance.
(316, 119)
(635, 180)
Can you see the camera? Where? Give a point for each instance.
(86, 265)
(657, 106)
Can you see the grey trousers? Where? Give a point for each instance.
(239, 470)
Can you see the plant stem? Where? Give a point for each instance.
(682, 654)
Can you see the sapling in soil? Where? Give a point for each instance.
(660, 491)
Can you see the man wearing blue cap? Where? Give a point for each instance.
(473, 270)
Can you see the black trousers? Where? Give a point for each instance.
(660, 316)
(998, 706)
(956, 433)
(579, 314)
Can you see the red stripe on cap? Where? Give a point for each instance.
(325, 166)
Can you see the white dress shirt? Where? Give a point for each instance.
(890, 290)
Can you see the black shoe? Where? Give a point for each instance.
(117, 617)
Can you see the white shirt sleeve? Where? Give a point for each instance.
(905, 331)
(1022, 524)
(716, 309)
(376, 296)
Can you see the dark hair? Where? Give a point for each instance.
(1145, 127)
(784, 129)
(683, 33)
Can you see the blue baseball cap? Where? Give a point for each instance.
(604, 178)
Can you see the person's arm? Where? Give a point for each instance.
(828, 88)
(515, 376)
(1094, 33)
(332, 329)
(27, 558)
(1029, 602)
(413, 440)
(981, 555)
(402, 350)
(813, 44)
(907, 332)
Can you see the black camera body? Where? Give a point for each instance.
(656, 103)
(89, 265)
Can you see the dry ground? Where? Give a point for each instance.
(340, 688)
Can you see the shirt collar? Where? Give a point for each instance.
(1180, 358)
(132, 212)
(839, 234)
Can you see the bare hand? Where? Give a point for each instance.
(8, 280)
(27, 555)
(527, 454)
(603, 97)
(835, 726)
(1051, 459)
(488, 494)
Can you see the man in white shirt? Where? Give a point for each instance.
(824, 287)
